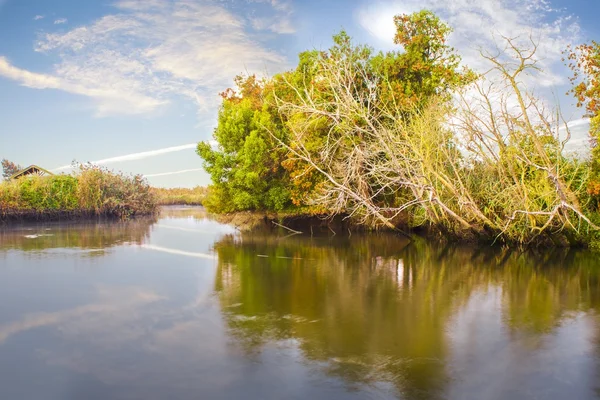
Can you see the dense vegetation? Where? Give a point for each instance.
(584, 60)
(92, 191)
(410, 138)
(180, 196)
(254, 169)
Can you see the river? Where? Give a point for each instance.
(183, 307)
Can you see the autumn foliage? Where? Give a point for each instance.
(584, 61)
(250, 169)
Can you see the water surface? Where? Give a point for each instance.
(186, 308)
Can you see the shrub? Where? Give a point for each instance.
(92, 191)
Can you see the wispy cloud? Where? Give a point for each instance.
(157, 52)
(479, 24)
(109, 100)
(38, 17)
(281, 26)
(280, 22)
(183, 171)
(60, 21)
(136, 156)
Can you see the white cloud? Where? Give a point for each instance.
(60, 21)
(280, 26)
(136, 156)
(38, 17)
(149, 53)
(280, 23)
(109, 99)
(579, 144)
(478, 24)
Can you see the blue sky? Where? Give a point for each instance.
(134, 83)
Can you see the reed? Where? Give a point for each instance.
(90, 192)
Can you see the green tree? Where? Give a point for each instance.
(252, 168)
(246, 168)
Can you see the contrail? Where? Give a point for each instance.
(576, 123)
(178, 252)
(137, 156)
(183, 171)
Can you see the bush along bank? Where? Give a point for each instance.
(91, 192)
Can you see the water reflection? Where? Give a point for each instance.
(88, 237)
(376, 309)
(188, 308)
(111, 304)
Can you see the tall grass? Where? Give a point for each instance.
(93, 191)
(181, 196)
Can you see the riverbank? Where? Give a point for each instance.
(91, 193)
(300, 223)
(308, 224)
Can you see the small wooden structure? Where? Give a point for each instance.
(31, 170)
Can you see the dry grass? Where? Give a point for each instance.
(180, 196)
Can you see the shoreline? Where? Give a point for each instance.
(248, 221)
(293, 224)
(25, 216)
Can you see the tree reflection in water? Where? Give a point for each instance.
(377, 309)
